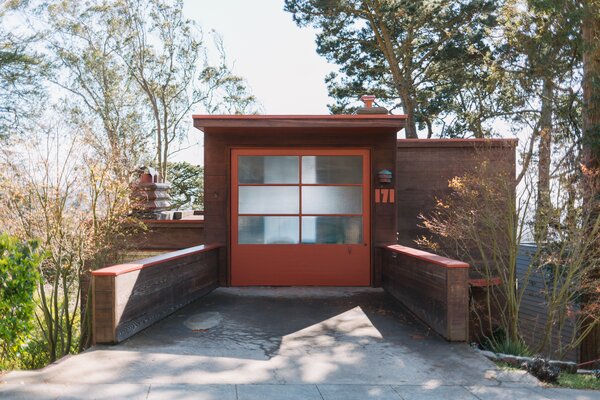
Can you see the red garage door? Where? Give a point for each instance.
(300, 217)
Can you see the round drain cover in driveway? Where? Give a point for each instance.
(203, 321)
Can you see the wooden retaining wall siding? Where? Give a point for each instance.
(130, 297)
(424, 167)
(533, 313)
(166, 235)
(434, 288)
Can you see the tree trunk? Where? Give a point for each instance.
(591, 145)
(591, 101)
(385, 44)
(410, 130)
(544, 204)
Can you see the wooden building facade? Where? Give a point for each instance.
(329, 200)
(268, 174)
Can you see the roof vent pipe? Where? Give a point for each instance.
(369, 99)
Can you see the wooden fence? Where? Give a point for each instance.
(533, 313)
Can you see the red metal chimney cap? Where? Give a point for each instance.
(368, 99)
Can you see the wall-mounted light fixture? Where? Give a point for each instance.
(384, 176)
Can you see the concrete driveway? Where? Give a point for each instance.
(282, 343)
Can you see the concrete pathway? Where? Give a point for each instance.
(283, 343)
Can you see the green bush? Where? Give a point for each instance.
(499, 342)
(19, 277)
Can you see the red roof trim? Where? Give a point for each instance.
(307, 122)
(121, 269)
(401, 117)
(425, 256)
(459, 140)
(495, 142)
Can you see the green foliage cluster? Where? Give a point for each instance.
(428, 58)
(187, 185)
(499, 342)
(455, 68)
(137, 70)
(579, 381)
(21, 71)
(19, 277)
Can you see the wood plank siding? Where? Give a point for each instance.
(167, 235)
(434, 288)
(219, 141)
(130, 297)
(425, 167)
(533, 313)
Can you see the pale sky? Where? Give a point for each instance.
(277, 58)
(267, 48)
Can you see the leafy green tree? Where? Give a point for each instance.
(166, 56)
(84, 42)
(591, 94)
(136, 68)
(233, 95)
(19, 278)
(187, 185)
(539, 53)
(57, 191)
(421, 53)
(22, 72)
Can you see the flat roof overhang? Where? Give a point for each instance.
(458, 142)
(251, 123)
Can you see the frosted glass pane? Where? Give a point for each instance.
(332, 169)
(332, 200)
(268, 200)
(331, 230)
(268, 169)
(268, 230)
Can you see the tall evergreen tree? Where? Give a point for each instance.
(428, 57)
(540, 53)
(591, 147)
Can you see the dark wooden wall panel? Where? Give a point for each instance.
(424, 169)
(125, 303)
(437, 294)
(103, 305)
(590, 349)
(457, 302)
(533, 313)
(218, 143)
(170, 235)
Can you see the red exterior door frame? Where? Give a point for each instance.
(301, 264)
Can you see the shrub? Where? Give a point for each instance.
(482, 222)
(500, 343)
(543, 370)
(19, 278)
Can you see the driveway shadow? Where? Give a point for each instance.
(281, 335)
